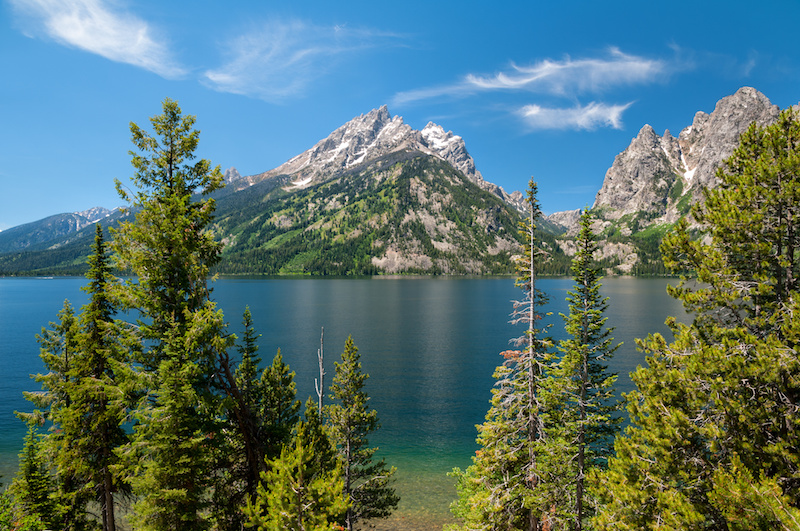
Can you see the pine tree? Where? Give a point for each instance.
(585, 393)
(297, 491)
(367, 483)
(169, 249)
(55, 404)
(714, 423)
(513, 483)
(91, 427)
(261, 414)
(33, 488)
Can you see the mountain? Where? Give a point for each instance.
(375, 196)
(368, 137)
(51, 231)
(656, 179)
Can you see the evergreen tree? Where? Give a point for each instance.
(261, 414)
(55, 404)
(91, 427)
(713, 437)
(587, 424)
(367, 483)
(513, 482)
(32, 489)
(169, 249)
(295, 492)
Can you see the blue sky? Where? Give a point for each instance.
(553, 90)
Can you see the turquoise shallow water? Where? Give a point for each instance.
(430, 346)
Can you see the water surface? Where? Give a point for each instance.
(430, 346)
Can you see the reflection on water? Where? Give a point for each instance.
(430, 346)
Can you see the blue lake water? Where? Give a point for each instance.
(430, 346)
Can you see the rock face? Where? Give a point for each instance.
(659, 176)
(368, 137)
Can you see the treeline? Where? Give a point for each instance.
(713, 440)
(170, 417)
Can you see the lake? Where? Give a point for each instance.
(430, 346)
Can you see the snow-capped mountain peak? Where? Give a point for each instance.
(368, 137)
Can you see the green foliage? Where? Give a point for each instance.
(367, 483)
(294, 494)
(513, 480)
(29, 498)
(714, 422)
(584, 405)
(11, 518)
(169, 250)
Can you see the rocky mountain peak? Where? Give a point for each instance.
(367, 137)
(712, 137)
(231, 175)
(653, 172)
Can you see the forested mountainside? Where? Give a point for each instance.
(406, 212)
(374, 197)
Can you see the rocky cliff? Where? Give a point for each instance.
(657, 178)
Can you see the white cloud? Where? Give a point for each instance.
(281, 59)
(587, 117)
(565, 78)
(569, 77)
(100, 28)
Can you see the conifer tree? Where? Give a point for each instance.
(169, 249)
(55, 404)
(300, 490)
(32, 490)
(510, 484)
(261, 413)
(91, 427)
(367, 483)
(583, 385)
(714, 424)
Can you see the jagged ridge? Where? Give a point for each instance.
(368, 137)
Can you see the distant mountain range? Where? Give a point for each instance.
(377, 196)
(48, 232)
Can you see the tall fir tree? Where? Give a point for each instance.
(510, 483)
(714, 424)
(91, 427)
(61, 353)
(584, 387)
(367, 482)
(169, 250)
(32, 489)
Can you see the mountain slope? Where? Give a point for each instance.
(405, 212)
(52, 230)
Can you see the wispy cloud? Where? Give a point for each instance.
(572, 77)
(565, 78)
(558, 79)
(101, 28)
(588, 117)
(280, 59)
